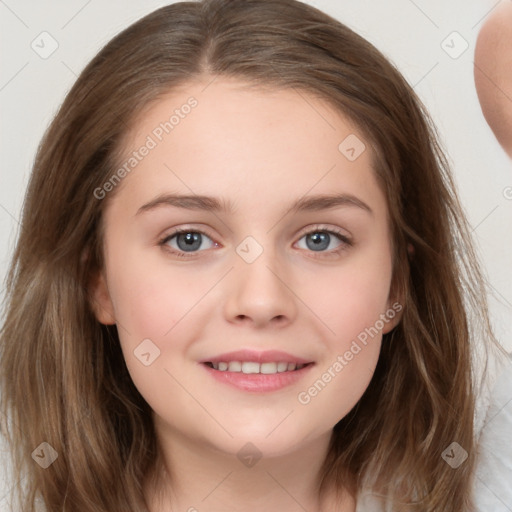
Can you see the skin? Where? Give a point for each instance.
(261, 150)
(493, 73)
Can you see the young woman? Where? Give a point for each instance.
(243, 279)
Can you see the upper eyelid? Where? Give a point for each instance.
(178, 231)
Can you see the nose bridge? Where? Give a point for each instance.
(259, 289)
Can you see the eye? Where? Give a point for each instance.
(321, 240)
(187, 241)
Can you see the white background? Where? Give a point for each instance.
(408, 32)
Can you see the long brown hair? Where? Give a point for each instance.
(64, 380)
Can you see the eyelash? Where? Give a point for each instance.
(345, 241)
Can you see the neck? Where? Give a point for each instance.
(195, 477)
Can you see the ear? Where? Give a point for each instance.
(395, 308)
(101, 303)
(97, 290)
(396, 300)
(393, 315)
(100, 300)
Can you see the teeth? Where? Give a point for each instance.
(252, 367)
(282, 367)
(235, 366)
(268, 368)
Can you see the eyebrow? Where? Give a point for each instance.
(212, 204)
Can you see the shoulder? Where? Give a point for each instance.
(367, 502)
(493, 427)
(494, 467)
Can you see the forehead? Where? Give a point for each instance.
(227, 138)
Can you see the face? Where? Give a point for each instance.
(251, 310)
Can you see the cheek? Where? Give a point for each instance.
(151, 298)
(351, 302)
(351, 298)
(153, 302)
(338, 385)
(153, 307)
(145, 305)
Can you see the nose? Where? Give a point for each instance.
(261, 293)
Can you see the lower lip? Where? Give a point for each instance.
(258, 382)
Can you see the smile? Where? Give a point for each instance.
(249, 367)
(257, 371)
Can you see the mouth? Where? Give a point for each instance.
(250, 370)
(252, 367)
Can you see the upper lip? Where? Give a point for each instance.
(267, 356)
